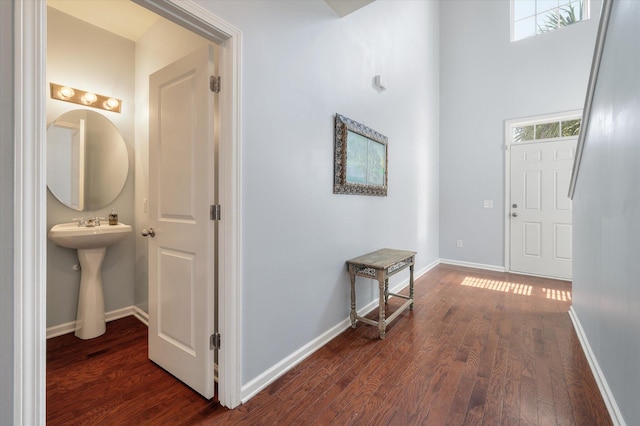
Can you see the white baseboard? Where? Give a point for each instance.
(495, 268)
(607, 395)
(424, 270)
(141, 315)
(70, 327)
(251, 388)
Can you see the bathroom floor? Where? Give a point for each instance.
(110, 380)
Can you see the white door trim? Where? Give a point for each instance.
(30, 34)
(508, 141)
(30, 190)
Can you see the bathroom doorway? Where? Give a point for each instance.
(228, 38)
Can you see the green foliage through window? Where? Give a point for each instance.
(531, 17)
(547, 130)
(571, 128)
(561, 17)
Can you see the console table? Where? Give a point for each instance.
(380, 265)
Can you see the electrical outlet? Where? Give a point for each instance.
(488, 204)
(459, 243)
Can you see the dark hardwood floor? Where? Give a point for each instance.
(478, 348)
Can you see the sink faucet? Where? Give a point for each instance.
(90, 222)
(94, 221)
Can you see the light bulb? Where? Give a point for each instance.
(66, 92)
(111, 103)
(89, 98)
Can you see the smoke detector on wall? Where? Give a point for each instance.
(379, 83)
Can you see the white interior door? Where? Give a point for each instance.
(181, 189)
(541, 222)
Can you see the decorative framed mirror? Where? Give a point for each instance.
(360, 159)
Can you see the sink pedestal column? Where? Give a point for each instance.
(90, 321)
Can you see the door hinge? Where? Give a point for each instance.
(214, 83)
(214, 212)
(214, 341)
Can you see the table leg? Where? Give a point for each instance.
(352, 278)
(386, 290)
(411, 284)
(382, 323)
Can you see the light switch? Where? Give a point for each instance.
(488, 204)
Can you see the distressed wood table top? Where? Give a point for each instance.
(381, 259)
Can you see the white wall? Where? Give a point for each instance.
(301, 65)
(7, 295)
(606, 295)
(86, 57)
(486, 79)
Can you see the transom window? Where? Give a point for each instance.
(548, 129)
(531, 17)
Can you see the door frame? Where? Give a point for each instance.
(508, 141)
(30, 190)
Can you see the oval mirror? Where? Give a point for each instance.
(87, 160)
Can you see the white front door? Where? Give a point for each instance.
(540, 208)
(181, 190)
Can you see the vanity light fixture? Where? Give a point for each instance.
(77, 96)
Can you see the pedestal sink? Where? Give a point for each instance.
(91, 243)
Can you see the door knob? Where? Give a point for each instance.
(148, 232)
(514, 214)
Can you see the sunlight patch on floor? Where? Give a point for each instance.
(554, 294)
(495, 285)
(515, 288)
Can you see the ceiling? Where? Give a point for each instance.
(129, 20)
(345, 7)
(123, 18)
